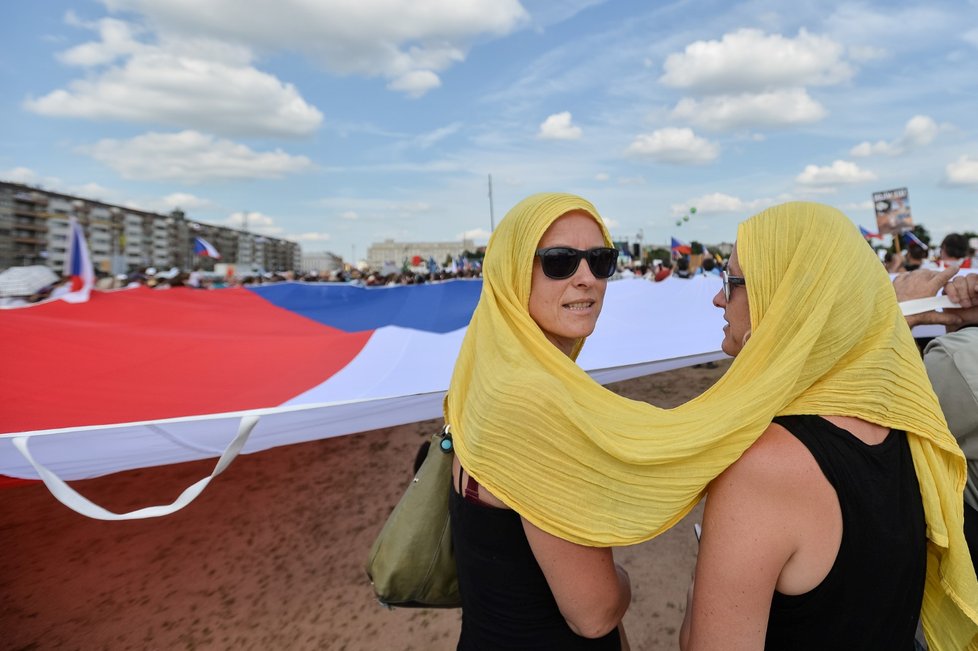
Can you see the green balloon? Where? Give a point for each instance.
(685, 218)
(693, 210)
(679, 222)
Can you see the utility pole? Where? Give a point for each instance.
(492, 217)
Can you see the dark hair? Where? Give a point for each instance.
(682, 264)
(709, 264)
(916, 251)
(955, 246)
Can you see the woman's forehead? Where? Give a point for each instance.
(733, 263)
(576, 223)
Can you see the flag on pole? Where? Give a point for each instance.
(679, 248)
(909, 238)
(78, 265)
(205, 248)
(867, 234)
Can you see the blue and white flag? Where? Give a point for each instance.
(78, 265)
(205, 248)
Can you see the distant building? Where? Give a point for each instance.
(321, 262)
(390, 251)
(34, 230)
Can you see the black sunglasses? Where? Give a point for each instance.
(559, 262)
(729, 280)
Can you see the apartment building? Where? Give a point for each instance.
(34, 230)
(390, 251)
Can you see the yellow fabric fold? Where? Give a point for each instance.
(598, 469)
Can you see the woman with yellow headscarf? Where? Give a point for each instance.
(522, 587)
(590, 467)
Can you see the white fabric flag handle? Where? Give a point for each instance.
(918, 305)
(80, 504)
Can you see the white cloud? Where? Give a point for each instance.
(963, 171)
(407, 42)
(186, 201)
(350, 215)
(919, 131)
(672, 145)
(91, 191)
(880, 147)
(838, 173)
(157, 86)
(415, 83)
(748, 60)
(27, 176)
(117, 41)
(971, 36)
(23, 175)
(751, 110)
(253, 222)
(610, 223)
(718, 202)
(602, 176)
(192, 157)
(558, 127)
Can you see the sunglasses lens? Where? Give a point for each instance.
(559, 263)
(603, 262)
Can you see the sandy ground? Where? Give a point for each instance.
(271, 555)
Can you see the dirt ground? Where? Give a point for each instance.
(271, 555)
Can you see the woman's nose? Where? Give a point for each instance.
(583, 275)
(719, 300)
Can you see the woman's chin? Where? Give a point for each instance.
(729, 347)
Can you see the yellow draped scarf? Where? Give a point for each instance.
(592, 467)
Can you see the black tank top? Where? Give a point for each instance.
(871, 597)
(506, 600)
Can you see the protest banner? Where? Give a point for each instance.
(892, 211)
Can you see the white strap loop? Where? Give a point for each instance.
(80, 504)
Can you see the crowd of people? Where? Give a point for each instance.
(955, 250)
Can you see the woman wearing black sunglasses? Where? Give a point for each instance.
(521, 587)
(826, 384)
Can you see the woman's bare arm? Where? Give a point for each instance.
(751, 532)
(592, 592)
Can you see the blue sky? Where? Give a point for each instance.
(340, 123)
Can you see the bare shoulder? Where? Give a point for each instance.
(777, 460)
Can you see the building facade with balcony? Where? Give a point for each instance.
(34, 226)
(391, 252)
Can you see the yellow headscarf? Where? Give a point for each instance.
(592, 467)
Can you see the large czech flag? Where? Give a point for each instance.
(144, 377)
